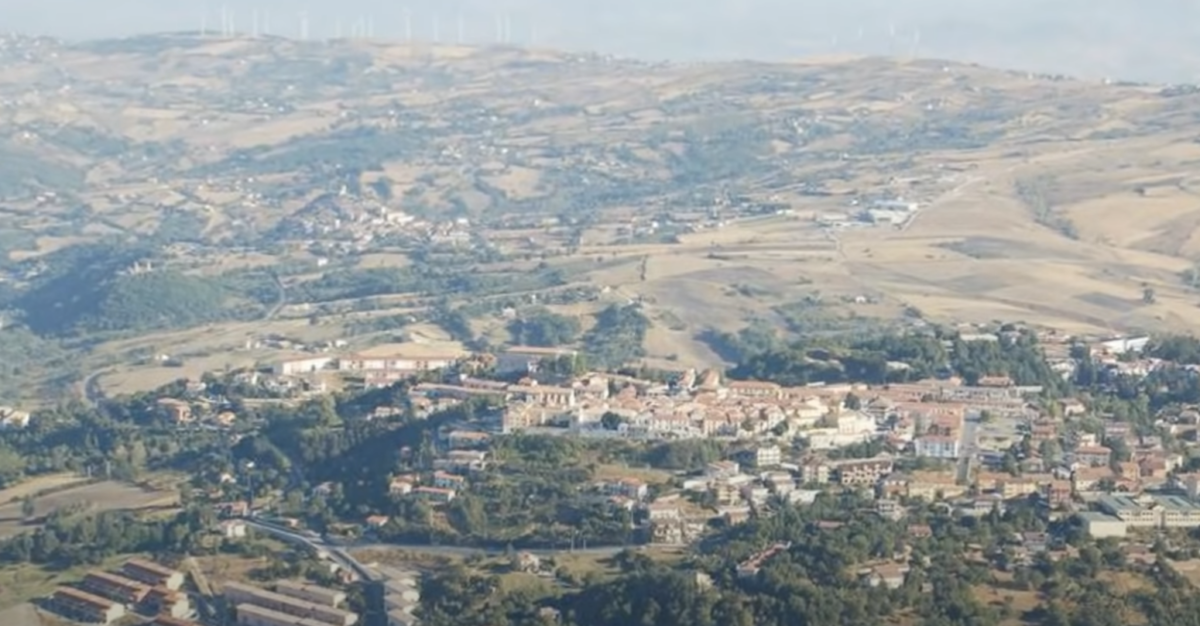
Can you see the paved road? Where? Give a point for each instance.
(339, 549)
(968, 447)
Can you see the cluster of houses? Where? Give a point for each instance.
(137, 587)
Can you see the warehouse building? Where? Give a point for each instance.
(153, 574)
(168, 603)
(85, 607)
(115, 587)
(251, 615)
(238, 594)
(167, 620)
(310, 592)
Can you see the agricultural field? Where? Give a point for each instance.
(97, 496)
(297, 194)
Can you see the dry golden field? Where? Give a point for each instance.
(239, 136)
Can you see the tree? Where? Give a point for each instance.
(853, 402)
(611, 421)
(28, 507)
(1148, 295)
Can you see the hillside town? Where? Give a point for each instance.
(974, 447)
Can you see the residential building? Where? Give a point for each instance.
(85, 607)
(934, 486)
(233, 529)
(434, 494)
(176, 411)
(310, 592)
(863, 471)
(767, 456)
(1058, 493)
(545, 396)
(753, 389)
(375, 522)
(663, 511)
(753, 565)
(467, 439)
(152, 573)
(400, 487)
(937, 446)
(814, 471)
(723, 469)
(246, 595)
(889, 575)
(631, 488)
(1094, 456)
(446, 480)
(462, 461)
(890, 509)
(677, 531)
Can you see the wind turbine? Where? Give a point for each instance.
(407, 25)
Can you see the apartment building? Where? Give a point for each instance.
(937, 447)
(766, 456)
(863, 471)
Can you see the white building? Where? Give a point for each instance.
(767, 456)
(1100, 525)
(852, 427)
(937, 447)
(302, 365)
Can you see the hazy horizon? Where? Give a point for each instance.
(1087, 38)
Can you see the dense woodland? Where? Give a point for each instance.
(816, 581)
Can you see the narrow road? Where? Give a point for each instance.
(93, 394)
(280, 302)
(968, 446)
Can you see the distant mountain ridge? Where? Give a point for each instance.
(1090, 38)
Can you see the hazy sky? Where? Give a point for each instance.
(1156, 40)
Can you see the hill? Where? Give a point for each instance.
(385, 185)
